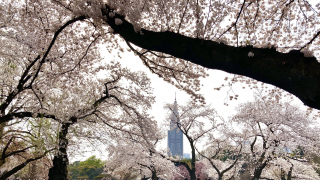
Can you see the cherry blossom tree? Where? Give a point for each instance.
(44, 75)
(117, 106)
(288, 169)
(110, 104)
(222, 154)
(221, 166)
(196, 122)
(184, 173)
(133, 155)
(192, 124)
(32, 59)
(271, 129)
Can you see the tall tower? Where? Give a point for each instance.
(175, 136)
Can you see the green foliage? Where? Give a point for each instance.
(73, 170)
(93, 172)
(103, 175)
(92, 161)
(91, 167)
(42, 129)
(298, 152)
(187, 161)
(82, 177)
(316, 159)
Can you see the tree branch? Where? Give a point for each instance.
(17, 168)
(299, 75)
(11, 116)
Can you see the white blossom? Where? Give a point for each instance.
(111, 14)
(118, 21)
(307, 53)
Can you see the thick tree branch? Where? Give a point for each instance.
(3, 154)
(11, 116)
(291, 71)
(19, 151)
(310, 42)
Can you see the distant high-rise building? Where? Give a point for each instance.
(175, 136)
(186, 156)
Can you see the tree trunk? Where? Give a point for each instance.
(193, 162)
(2, 125)
(60, 161)
(283, 177)
(290, 173)
(258, 171)
(154, 175)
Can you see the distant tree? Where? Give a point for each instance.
(289, 169)
(120, 170)
(196, 121)
(183, 173)
(271, 129)
(91, 167)
(73, 170)
(223, 154)
(138, 156)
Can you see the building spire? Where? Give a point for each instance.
(175, 96)
(175, 113)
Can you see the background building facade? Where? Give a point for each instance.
(175, 136)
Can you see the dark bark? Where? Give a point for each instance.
(283, 176)
(152, 169)
(192, 171)
(60, 161)
(10, 116)
(263, 160)
(221, 173)
(258, 171)
(5, 155)
(292, 71)
(290, 173)
(154, 175)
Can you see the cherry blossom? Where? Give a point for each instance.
(272, 129)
